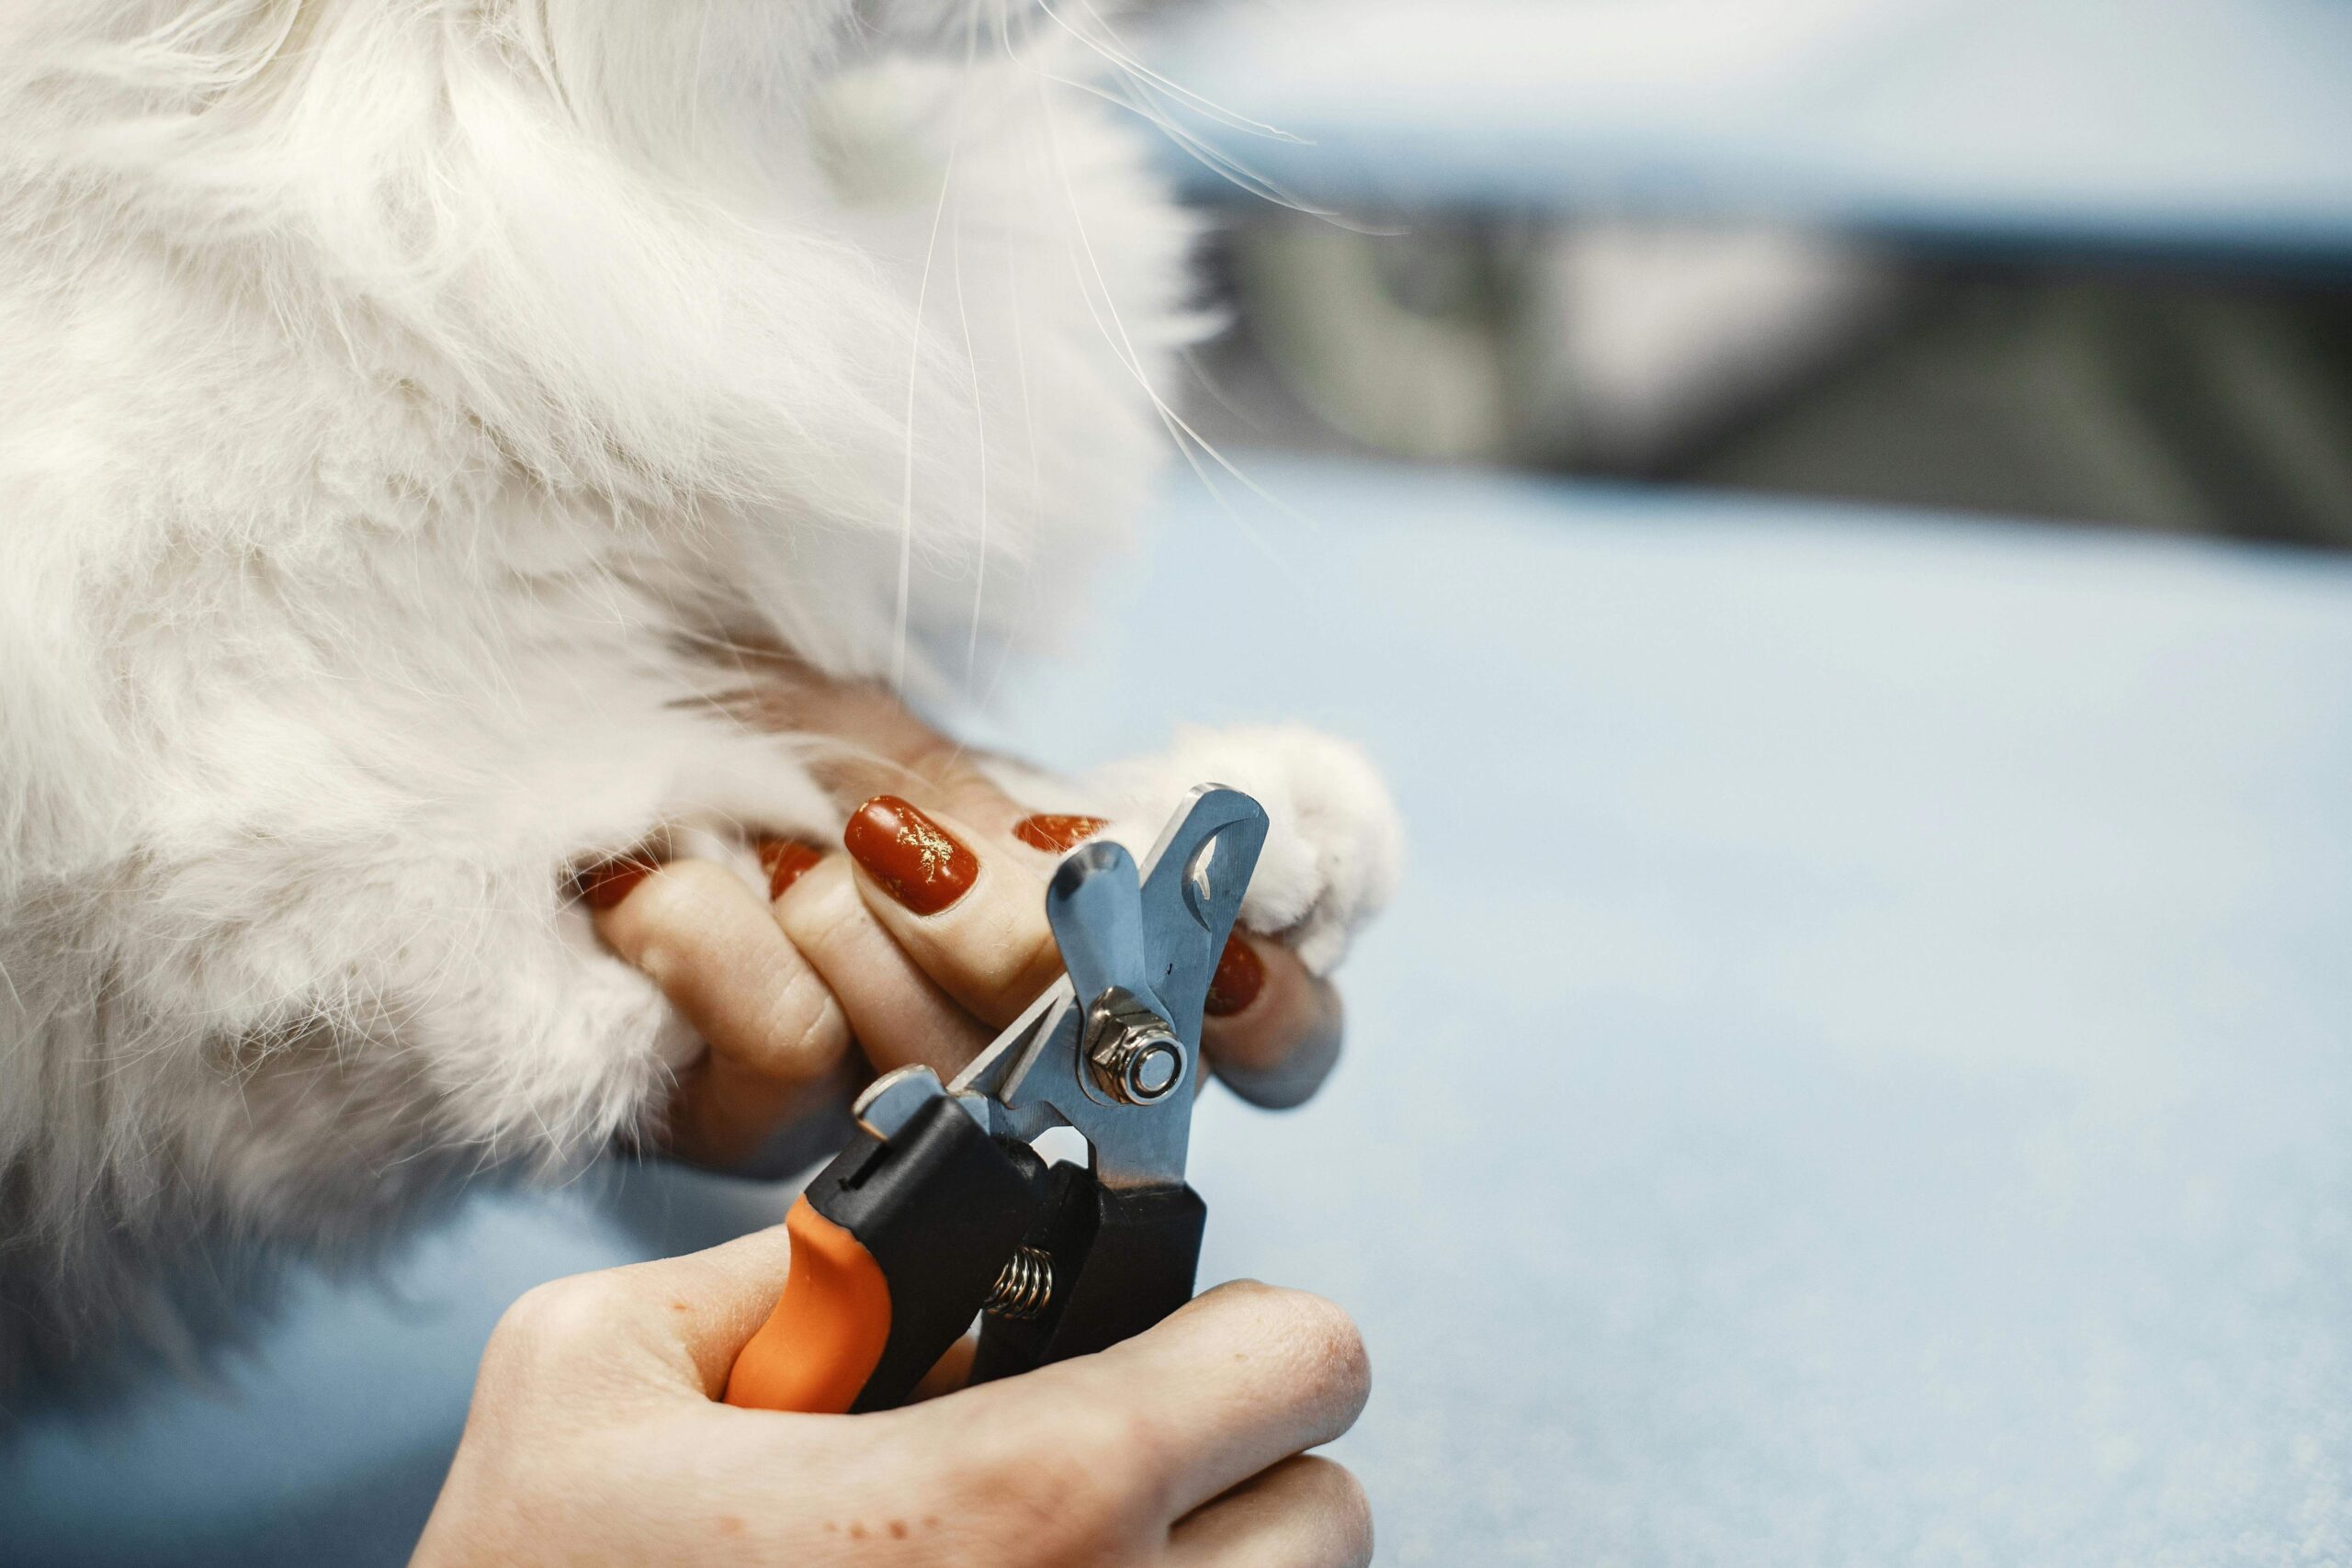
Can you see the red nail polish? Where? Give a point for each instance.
(606, 886)
(919, 862)
(1240, 974)
(785, 861)
(1054, 832)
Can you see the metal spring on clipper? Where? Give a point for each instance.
(1023, 1288)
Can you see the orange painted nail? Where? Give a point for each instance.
(1055, 832)
(1240, 975)
(919, 862)
(606, 884)
(785, 861)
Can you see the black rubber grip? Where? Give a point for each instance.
(1123, 1260)
(941, 1207)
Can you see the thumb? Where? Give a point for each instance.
(694, 1313)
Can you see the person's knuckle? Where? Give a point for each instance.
(1127, 1450)
(799, 1025)
(551, 1317)
(1056, 1499)
(668, 901)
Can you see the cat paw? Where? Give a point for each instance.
(1335, 845)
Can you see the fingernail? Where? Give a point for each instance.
(1053, 832)
(1239, 975)
(606, 884)
(920, 862)
(785, 861)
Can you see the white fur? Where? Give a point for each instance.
(405, 405)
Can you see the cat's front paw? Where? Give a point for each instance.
(1335, 846)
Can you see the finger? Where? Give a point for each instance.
(666, 1327)
(1239, 1380)
(899, 1016)
(973, 918)
(724, 1113)
(1304, 1513)
(1270, 1029)
(711, 945)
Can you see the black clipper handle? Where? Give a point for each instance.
(896, 1246)
(1122, 1260)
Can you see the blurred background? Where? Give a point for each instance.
(2073, 260)
(1830, 515)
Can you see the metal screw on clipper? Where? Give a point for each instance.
(1133, 1056)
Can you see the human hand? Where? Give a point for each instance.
(920, 940)
(596, 1438)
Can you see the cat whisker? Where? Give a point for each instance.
(1142, 92)
(980, 411)
(900, 633)
(1186, 439)
(1130, 67)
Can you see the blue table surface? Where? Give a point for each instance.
(2219, 128)
(1856, 1072)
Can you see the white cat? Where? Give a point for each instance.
(403, 403)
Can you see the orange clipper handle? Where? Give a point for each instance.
(896, 1246)
(821, 1343)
